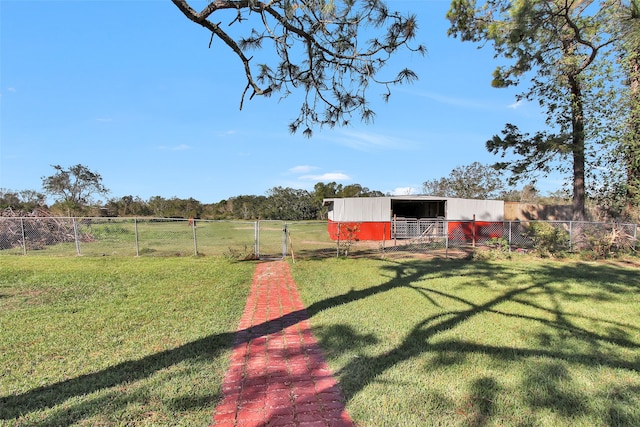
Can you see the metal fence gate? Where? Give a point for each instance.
(271, 239)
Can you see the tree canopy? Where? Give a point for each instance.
(74, 187)
(565, 46)
(331, 50)
(474, 181)
(628, 20)
(25, 200)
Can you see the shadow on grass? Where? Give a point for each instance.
(360, 372)
(543, 385)
(14, 406)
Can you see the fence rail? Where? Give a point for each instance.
(277, 239)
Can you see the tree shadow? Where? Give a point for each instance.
(338, 339)
(40, 398)
(614, 283)
(360, 372)
(480, 404)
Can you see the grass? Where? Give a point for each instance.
(116, 341)
(163, 238)
(146, 341)
(446, 342)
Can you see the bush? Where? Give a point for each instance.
(499, 244)
(495, 248)
(548, 240)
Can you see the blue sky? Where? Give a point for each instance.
(131, 90)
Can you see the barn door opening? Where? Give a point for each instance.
(271, 240)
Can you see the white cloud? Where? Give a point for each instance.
(180, 147)
(455, 101)
(405, 191)
(330, 176)
(516, 104)
(226, 133)
(104, 119)
(302, 169)
(366, 141)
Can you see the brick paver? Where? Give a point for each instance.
(278, 376)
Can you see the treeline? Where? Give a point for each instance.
(74, 188)
(282, 203)
(279, 203)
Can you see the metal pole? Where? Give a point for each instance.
(284, 241)
(256, 239)
(395, 230)
(570, 236)
(446, 239)
(75, 233)
(509, 236)
(135, 226)
(338, 245)
(473, 231)
(24, 237)
(195, 240)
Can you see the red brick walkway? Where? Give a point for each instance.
(278, 376)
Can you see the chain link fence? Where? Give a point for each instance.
(127, 237)
(521, 236)
(304, 239)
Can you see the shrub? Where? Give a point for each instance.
(548, 240)
(499, 244)
(494, 249)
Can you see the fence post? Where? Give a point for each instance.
(75, 234)
(473, 231)
(446, 239)
(135, 226)
(24, 237)
(284, 240)
(195, 241)
(256, 239)
(338, 244)
(394, 230)
(570, 236)
(509, 236)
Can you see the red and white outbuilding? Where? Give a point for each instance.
(385, 218)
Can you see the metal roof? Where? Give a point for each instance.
(380, 208)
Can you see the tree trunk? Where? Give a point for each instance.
(577, 148)
(632, 148)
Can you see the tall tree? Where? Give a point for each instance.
(331, 50)
(629, 26)
(560, 43)
(323, 191)
(75, 187)
(474, 181)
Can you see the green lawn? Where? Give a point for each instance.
(146, 341)
(445, 342)
(116, 341)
